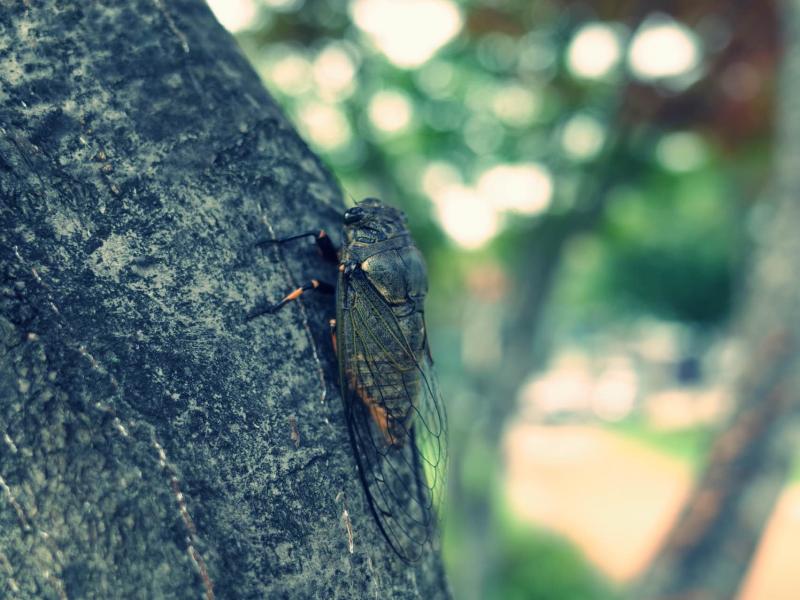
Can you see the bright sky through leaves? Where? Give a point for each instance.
(466, 216)
(471, 215)
(594, 51)
(664, 48)
(334, 72)
(234, 15)
(522, 188)
(324, 124)
(390, 111)
(407, 32)
(582, 136)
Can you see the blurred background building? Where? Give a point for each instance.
(586, 181)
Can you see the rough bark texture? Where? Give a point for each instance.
(153, 443)
(707, 554)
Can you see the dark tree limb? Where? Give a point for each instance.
(152, 442)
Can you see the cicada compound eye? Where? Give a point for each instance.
(353, 215)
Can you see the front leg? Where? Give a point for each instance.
(313, 285)
(323, 241)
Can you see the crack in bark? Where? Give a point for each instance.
(191, 539)
(159, 4)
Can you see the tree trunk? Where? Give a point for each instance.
(152, 442)
(707, 553)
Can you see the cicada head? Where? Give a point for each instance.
(373, 221)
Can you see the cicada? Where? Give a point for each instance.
(394, 410)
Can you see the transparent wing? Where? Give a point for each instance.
(395, 414)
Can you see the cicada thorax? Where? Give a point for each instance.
(384, 373)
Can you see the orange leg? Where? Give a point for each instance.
(314, 284)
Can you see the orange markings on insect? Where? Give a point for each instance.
(341, 267)
(381, 419)
(314, 283)
(378, 412)
(332, 324)
(294, 295)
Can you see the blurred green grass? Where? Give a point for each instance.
(687, 445)
(534, 564)
(522, 562)
(530, 563)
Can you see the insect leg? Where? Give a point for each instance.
(324, 243)
(314, 284)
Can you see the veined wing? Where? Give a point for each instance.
(395, 413)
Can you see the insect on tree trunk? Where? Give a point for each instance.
(153, 442)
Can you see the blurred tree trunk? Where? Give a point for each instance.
(707, 553)
(522, 351)
(153, 443)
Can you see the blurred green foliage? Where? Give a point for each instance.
(671, 243)
(670, 247)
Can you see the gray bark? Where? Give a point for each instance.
(707, 553)
(153, 443)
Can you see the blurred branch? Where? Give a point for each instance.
(707, 552)
(543, 251)
(542, 254)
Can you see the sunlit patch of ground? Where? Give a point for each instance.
(616, 499)
(774, 574)
(613, 497)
